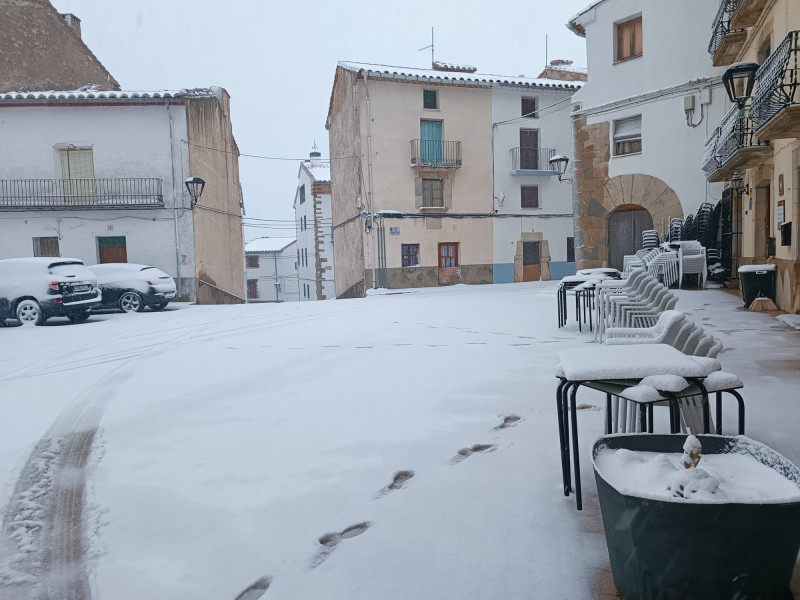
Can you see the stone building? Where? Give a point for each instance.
(640, 122)
(760, 140)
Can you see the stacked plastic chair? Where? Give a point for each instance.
(705, 226)
(675, 229)
(692, 261)
(650, 239)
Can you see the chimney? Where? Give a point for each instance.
(315, 157)
(73, 21)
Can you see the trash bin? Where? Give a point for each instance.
(757, 281)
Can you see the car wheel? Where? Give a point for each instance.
(159, 306)
(131, 302)
(79, 317)
(30, 313)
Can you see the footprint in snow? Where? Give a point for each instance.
(329, 541)
(467, 452)
(398, 483)
(256, 590)
(509, 421)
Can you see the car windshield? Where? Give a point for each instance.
(66, 269)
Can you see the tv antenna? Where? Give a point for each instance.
(431, 47)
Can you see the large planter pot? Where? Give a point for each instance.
(683, 550)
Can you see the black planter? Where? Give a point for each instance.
(677, 550)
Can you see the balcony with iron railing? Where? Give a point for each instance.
(436, 153)
(532, 161)
(50, 194)
(725, 41)
(734, 146)
(776, 103)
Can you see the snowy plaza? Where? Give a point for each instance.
(403, 445)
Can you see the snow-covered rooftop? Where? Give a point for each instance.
(411, 73)
(266, 244)
(89, 95)
(319, 170)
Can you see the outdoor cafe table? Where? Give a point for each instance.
(593, 364)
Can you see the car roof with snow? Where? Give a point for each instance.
(48, 261)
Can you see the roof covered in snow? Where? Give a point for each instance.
(319, 170)
(91, 95)
(453, 77)
(266, 244)
(576, 27)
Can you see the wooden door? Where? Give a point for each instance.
(529, 149)
(112, 249)
(531, 261)
(625, 229)
(449, 267)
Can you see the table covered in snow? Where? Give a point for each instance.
(588, 364)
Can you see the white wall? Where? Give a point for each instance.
(555, 131)
(307, 274)
(127, 141)
(268, 262)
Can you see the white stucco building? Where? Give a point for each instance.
(641, 121)
(312, 211)
(271, 270)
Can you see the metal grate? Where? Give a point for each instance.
(737, 131)
(777, 81)
(710, 159)
(435, 153)
(534, 159)
(80, 193)
(722, 24)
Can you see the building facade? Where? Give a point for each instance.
(760, 139)
(271, 270)
(313, 221)
(414, 203)
(98, 174)
(640, 123)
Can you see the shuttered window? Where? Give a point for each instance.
(433, 193)
(252, 261)
(629, 39)
(410, 255)
(112, 249)
(529, 196)
(430, 99)
(46, 246)
(628, 136)
(529, 108)
(77, 169)
(252, 288)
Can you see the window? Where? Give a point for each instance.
(112, 249)
(430, 99)
(252, 287)
(529, 108)
(432, 193)
(252, 261)
(448, 255)
(529, 149)
(570, 249)
(46, 246)
(629, 39)
(530, 196)
(628, 136)
(410, 255)
(302, 193)
(77, 167)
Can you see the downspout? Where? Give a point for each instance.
(175, 203)
(277, 295)
(369, 175)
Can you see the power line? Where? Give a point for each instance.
(188, 143)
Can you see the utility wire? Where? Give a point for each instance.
(188, 143)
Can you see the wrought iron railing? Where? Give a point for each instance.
(532, 159)
(711, 159)
(722, 24)
(81, 193)
(777, 81)
(737, 131)
(435, 153)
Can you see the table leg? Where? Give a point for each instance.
(719, 413)
(562, 435)
(575, 448)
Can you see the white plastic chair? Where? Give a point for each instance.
(692, 261)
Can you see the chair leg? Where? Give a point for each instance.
(576, 459)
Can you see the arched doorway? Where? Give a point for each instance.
(625, 227)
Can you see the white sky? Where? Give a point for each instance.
(277, 60)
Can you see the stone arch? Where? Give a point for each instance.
(651, 193)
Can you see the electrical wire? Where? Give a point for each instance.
(188, 143)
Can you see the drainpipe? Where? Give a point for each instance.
(175, 203)
(277, 295)
(369, 174)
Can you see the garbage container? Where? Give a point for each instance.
(757, 281)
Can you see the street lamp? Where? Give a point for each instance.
(195, 186)
(744, 72)
(559, 164)
(738, 185)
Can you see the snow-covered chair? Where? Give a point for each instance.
(692, 261)
(666, 328)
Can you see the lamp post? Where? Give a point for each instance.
(195, 186)
(743, 74)
(559, 164)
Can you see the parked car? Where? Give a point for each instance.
(130, 287)
(34, 289)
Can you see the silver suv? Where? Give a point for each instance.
(34, 289)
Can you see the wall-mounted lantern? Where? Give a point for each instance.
(559, 164)
(740, 74)
(195, 186)
(738, 185)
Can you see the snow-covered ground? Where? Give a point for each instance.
(344, 449)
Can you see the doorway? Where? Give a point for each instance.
(625, 227)
(449, 267)
(531, 261)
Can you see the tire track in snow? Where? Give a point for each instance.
(43, 541)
